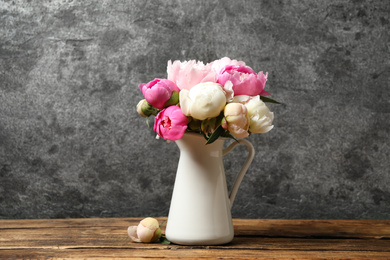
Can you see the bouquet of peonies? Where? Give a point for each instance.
(222, 98)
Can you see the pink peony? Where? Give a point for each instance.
(170, 123)
(160, 93)
(190, 73)
(218, 65)
(245, 81)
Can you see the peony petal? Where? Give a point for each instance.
(170, 123)
(261, 124)
(146, 229)
(185, 101)
(241, 99)
(248, 86)
(132, 232)
(218, 65)
(245, 80)
(157, 96)
(238, 131)
(237, 68)
(245, 69)
(228, 88)
(141, 87)
(173, 70)
(263, 79)
(190, 73)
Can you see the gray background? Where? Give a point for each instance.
(73, 145)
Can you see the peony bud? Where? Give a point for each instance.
(236, 120)
(147, 231)
(145, 109)
(158, 92)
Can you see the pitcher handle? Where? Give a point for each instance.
(244, 168)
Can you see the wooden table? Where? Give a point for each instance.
(254, 238)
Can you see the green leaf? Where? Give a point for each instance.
(270, 100)
(214, 136)
(164, 240)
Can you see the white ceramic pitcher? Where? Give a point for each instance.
(200, 207)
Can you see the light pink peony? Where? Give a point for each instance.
(170, 123)
(190, 73)
(147, 231)
(236, 120)
(244, 79)
(159, 92)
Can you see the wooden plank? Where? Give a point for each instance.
(64, 223)
(261, 239)
(242, 227)
(114, 237)
(312, 228)
(64, 237)
(109, 253)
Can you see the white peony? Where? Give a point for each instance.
(204, 100)
(261, 117)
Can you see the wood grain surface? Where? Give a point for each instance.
(106, 238)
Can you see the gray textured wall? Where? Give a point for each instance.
(73, 145)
